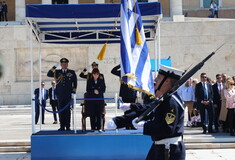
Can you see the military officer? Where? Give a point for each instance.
(166, 123)
(66, 85)
(87, 75)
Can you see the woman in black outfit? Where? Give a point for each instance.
(95, 89)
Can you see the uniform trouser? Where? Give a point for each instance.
(210, 111)
(128, 100)
(65, 115)
(54, 105)
(37, 110)
(176, 152)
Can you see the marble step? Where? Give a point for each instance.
(15, 143)
(210, 145)
(15, 149)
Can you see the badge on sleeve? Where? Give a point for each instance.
(170, 118)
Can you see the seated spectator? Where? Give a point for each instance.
(195, 119)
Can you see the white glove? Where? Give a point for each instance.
(139, 124)
(57, 64)
(125, 107)
(73, 95)
(111, 124)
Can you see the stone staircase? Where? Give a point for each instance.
(193, 138)
(14, 146)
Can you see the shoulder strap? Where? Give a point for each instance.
(178, 101)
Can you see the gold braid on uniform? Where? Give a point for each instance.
(53, 70)
(58, 80)
(136, 88)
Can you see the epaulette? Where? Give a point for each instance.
(53, 70)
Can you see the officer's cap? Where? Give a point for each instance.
(64, 60)
(170, 72)
(94, 64)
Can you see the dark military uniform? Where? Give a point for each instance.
(166, 126)
(128, 94)
(66, 84)
(166, 130)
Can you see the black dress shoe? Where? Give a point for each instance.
(211, 131)
(55, 122)
(204, 132)
(61, 129)
(68, 129)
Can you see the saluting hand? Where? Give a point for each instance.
(57, 64)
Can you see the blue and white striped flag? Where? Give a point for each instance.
(135, 61)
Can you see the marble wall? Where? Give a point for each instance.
(186, 42)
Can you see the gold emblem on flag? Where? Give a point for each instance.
(170, 118)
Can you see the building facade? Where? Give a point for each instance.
(16, 8)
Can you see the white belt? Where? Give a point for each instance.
(168, 141)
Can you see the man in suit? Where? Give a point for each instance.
(53, 100)
(66, 85)
(40, 99)
(217, 90)
(204, 96)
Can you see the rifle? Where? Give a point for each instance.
(180, 82)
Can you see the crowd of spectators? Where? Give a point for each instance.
(213, 103)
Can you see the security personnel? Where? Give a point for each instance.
(167, 120)
(128, 95)
(87, 75)
(66, 85)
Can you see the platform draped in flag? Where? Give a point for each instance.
(135, 61)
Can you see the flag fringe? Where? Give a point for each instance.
(130, 75)
(139, 89)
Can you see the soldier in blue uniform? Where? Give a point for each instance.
(66, 85)
(165, 124)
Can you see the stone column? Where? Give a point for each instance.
(220, 4)
(176, 7)
(46, 1)
(99, 1)
(73, 1)
(201, 4)
(20, 10)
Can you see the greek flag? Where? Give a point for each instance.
(135, 61)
